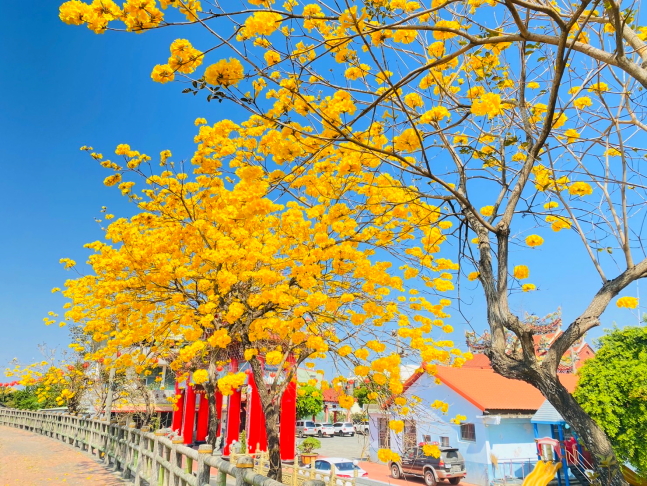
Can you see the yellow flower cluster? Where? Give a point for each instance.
(534, 240)
(582, 102)
(386, 455)
(431, 450)
(224, 73)
(346, 401)
(487, 211)
(273, 358)
(396, 426)
(520, 272)
(558, 223)
(260, 24)
(580, 189)
(627, 302)
(488, 104)
(200, 377)
(138, 15)
(446, 24)
(230, 382)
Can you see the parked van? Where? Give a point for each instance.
(306, 427)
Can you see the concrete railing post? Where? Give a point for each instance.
(159, 454)
(129, 444)
(176, 461)
(204, 470)
(141, 446)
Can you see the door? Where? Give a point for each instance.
(408, 460)
(420, 461)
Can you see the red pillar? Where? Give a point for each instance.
(189, 414)
(178, 414)
(219, 411)
(288, 421)
(203, 418)
(256, 433)
(233, 414)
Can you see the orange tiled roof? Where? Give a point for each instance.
(478, 361)
(331, 395)
(489, 391)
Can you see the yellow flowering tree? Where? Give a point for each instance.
(490, 110)
(226, 262)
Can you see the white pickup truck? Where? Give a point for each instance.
(361, 428)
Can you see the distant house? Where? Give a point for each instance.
(497, 430)
(332, 411)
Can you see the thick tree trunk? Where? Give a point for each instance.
(594, 438)
(585, 427)
(273, 441)
(210, 391)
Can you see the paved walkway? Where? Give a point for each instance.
(27, 458)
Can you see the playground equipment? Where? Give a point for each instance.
(543, 473)
(632, 478)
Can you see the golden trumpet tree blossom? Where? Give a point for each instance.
(223, 262)
(527, 110)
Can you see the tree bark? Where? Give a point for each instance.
(587, 430)
(210, 391)
(269, 401)
(273, 442)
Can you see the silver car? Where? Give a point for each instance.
(306, 427)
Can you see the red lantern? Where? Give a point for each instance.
(272, 374)
(351, 382)
(219, 368)
(70, 367)
(85, 365)
(118, 353)
(367, 381)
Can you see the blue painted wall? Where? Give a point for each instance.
(511, 440)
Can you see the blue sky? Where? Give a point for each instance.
(64, 87)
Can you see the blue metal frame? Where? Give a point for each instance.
(560, 432)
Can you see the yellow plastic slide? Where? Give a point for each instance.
(543, 474)
(632, 478)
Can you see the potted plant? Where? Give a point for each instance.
(306, 447)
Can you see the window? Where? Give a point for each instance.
(411, 453)
(383, 433)
(410, 435)
(444, 442)
(467, 432)
(322, 465)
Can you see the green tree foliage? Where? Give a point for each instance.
(361, 395)
(613, 390)
(309, 401)
(26, 399)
